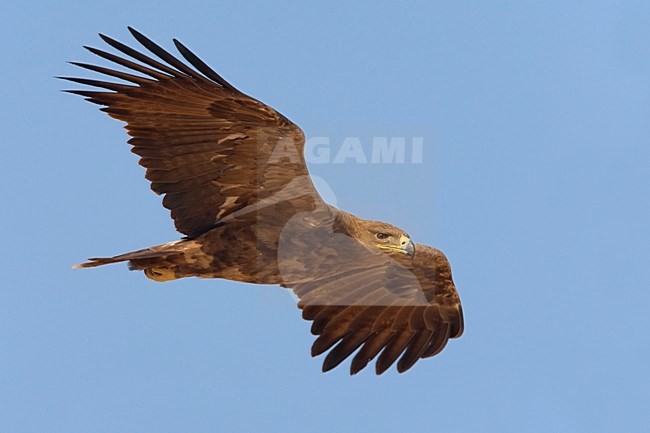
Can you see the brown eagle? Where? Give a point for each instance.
(233, 174)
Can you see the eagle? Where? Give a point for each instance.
(232, 172)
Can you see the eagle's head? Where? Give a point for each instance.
(388, 238)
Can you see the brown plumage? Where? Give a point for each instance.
(233, 174)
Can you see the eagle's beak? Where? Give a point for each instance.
(407, 245)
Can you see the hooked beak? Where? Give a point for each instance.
(407, 245)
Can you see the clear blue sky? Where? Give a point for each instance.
(535, 181)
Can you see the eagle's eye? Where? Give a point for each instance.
(381, 235)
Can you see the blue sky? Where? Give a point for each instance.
(534, 181)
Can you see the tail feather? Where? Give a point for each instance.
(136, 259)
(97, 261)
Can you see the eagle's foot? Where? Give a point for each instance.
(160, 274)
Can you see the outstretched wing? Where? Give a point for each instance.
(210, 149)
(360, 298)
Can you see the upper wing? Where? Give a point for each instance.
(361, 298)
(209, 148)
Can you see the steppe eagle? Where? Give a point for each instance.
(233, 174)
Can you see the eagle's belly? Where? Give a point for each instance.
(234, 252)
(250, 250)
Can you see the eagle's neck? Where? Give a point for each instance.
(347, 223)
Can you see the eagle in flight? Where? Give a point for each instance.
(233, 175)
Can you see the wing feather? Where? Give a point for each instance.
(127, 63)
(393, 350)
(205, 145)
(381, 304)
(370, 349)
(201, 66)
(344, 349)
(414, 350)
(438, 342)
